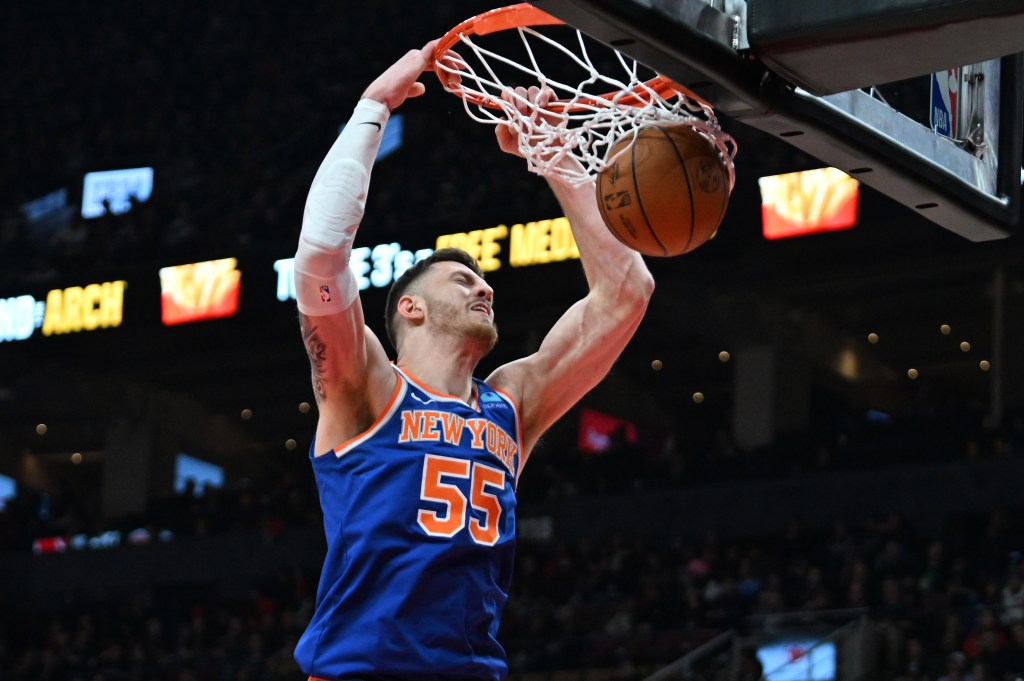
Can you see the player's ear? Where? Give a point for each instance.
(411, 308)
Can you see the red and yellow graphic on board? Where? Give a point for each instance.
(806, 202)
(198, 291)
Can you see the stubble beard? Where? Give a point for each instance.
(450, 319)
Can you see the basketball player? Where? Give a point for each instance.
(416, 461)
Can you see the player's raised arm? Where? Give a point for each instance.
(349, 365)
(581, 347)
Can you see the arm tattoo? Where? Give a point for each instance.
(317, 351)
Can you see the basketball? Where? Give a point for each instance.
(667, 193)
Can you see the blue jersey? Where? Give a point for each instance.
(419, 513)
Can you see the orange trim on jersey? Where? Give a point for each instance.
(389, 410)
(416, 382)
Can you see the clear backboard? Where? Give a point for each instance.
(919, 99)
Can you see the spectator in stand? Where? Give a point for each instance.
(853, 581)
(771, 599)
(856, 594)
(892, 616)
(916, 664)
(933, 575)
(986, 641)
(980, 672)
(950, 634)
(748, 583)
(1011, 663)
(956, 668)
(816, 594)
(1012, 598)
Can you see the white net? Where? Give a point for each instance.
(593, 109)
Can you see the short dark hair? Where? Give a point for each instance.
(403, 283)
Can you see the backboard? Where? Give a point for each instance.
(921, 100)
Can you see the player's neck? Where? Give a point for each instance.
(442, 366)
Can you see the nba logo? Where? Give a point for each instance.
(616, 200)
(325, 294)
(945, 92)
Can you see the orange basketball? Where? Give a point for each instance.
(667, 194)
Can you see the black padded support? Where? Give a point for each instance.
(829, 47)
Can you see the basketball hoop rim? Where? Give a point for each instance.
(525, 15)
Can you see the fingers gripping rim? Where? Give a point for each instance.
(526, 15)
(493, 21)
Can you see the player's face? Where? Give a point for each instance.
(460, 302)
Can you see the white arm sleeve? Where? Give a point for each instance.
(324, 284)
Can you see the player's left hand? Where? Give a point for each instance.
(531, 103)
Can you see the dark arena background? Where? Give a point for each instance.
(806, 465)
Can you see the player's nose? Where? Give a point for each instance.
(484, 291)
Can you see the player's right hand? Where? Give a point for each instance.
(530, 103)
(401, 80)
(532, 122)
